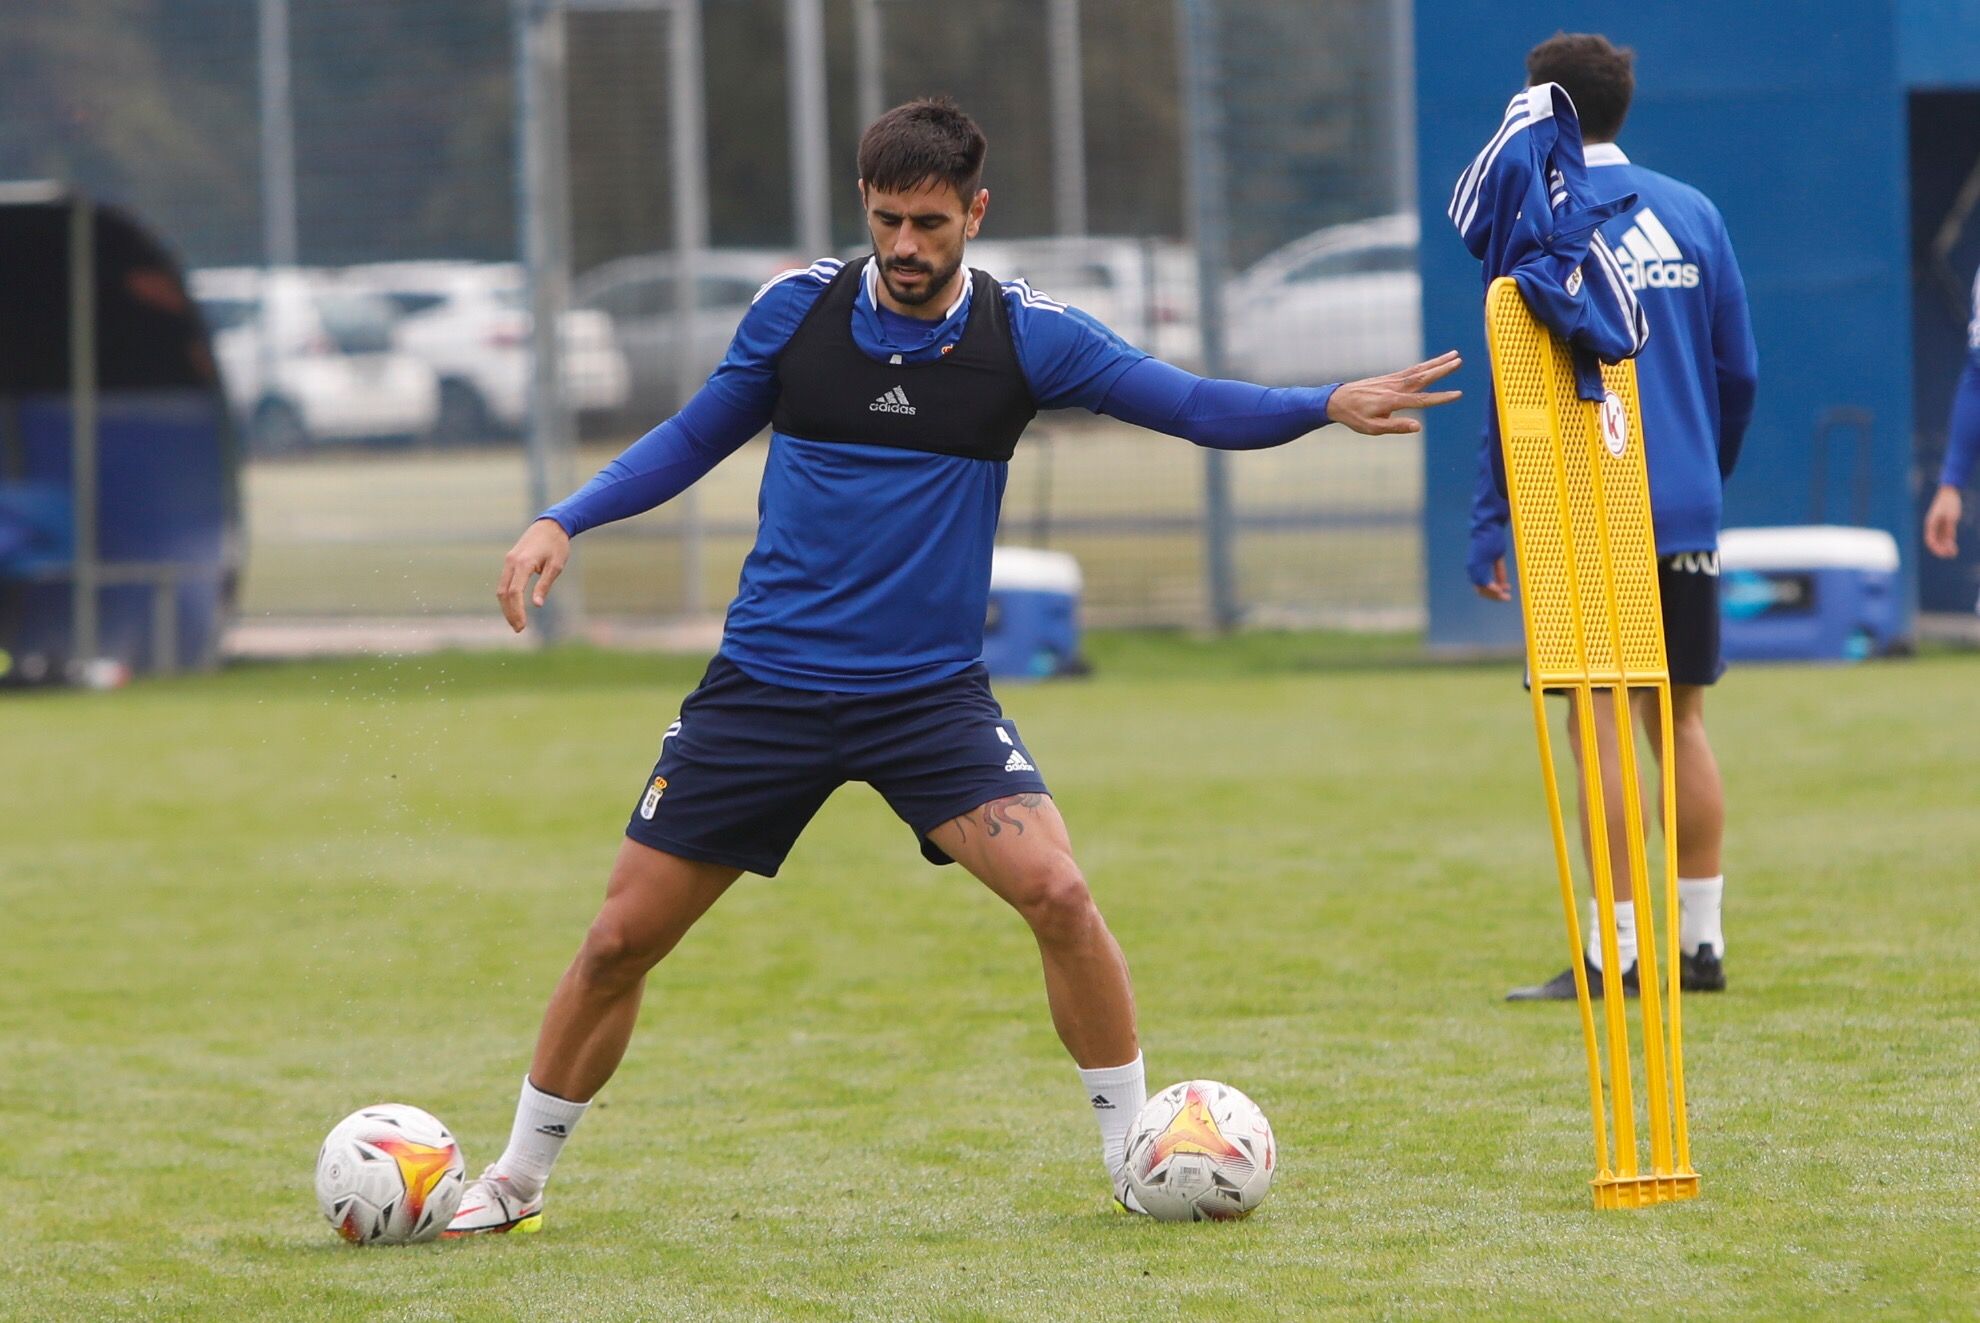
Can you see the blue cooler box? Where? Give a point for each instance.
(1816, 593)
(1032, 629)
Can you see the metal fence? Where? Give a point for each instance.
(455, 253)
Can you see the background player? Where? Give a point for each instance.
(1696, 379)
(895, 388)
(1962, 447)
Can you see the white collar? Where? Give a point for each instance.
(870, 278)
(1602, 153)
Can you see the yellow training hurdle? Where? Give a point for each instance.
(1588, 594)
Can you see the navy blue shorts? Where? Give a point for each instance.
(1688, 583)
(748, 764)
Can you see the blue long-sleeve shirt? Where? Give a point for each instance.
(1697, 376)
(1963, 429)
(871, 566)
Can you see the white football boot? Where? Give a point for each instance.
(491, 1206)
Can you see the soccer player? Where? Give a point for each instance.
(1962, 447)
(895, 387)
(1696, 379)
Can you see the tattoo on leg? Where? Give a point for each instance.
(1002, 813)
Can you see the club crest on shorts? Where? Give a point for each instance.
(652, 800)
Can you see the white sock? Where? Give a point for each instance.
(1699, 902)
(1625, 935)
(1116, 1094)
(543, 1123)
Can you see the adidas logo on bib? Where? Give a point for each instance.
(1017, 762)
(894, 401)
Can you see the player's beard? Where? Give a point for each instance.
(938, 279)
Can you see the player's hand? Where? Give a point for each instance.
(1942, 523)
(1500, 589)
(542, 551)
(1369, 405)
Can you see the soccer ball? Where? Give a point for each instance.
(1200, 1151)
(389, 1175)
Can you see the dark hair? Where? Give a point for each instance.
(1601, 78)
(921, 141)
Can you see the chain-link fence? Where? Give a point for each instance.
(345, 182)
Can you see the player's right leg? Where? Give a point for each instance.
(1615, 810)
(739, 776)
(653, 898)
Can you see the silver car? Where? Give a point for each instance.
(1340, 303)
(637, 293)
(304, 361)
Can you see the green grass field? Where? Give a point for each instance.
(238, 907)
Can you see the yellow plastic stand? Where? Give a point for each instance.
(1588, 594)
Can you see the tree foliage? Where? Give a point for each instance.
(404, 118)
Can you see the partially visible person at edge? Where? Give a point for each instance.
(1696, 380)
(896, 388)
(1962, 447)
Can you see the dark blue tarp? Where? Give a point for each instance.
(167, 475)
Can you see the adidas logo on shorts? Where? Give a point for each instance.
(1017, 762)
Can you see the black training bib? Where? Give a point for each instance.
(972, 401)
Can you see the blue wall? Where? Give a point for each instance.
(1939, 42)
(1791, 118)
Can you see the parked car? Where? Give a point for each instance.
(469, 323)
(304, 361)
(1143, 289)
(1340, 303)
(637, 293)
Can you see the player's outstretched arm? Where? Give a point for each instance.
(1369, 406)
(1238, 415)
(541, 554)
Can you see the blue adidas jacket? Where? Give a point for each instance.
(1696, 376)
(1527, 209)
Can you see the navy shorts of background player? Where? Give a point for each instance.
(850, 652)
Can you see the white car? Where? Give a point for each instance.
(303, 361)
(1142, 289)
(637, 293)
(469, 323)
(1341, 303)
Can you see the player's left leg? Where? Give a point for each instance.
(957, 771)
(1688, 585)
(1018, 846)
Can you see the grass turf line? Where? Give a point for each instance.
(240, 906)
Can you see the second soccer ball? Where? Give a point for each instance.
(1200, 1150)
(389, 1175)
